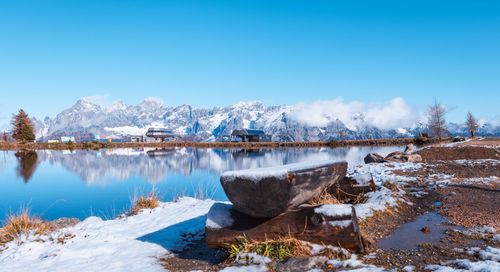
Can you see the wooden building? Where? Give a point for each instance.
(251, 135)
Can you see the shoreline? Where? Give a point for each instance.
(246, 145)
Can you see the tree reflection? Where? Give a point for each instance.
(26, 164)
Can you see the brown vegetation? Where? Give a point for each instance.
(21, 224)
(150, 201)
(276, 249)
(324, 198)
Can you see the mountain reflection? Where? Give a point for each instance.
(156, 164)
(26, 164)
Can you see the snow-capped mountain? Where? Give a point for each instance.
(285, 123)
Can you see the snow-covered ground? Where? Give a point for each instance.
(131, 243)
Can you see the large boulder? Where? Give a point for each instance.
(374, 158)
(268, 192)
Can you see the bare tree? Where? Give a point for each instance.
(472, 124)
(437, 122)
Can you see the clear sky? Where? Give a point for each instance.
(213, 53)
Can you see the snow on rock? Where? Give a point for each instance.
(377, 200)
(363, 179)
(219, 216)
(382, 172)
(125, 244)
(252, 262)
(334, 210)
(277, 172)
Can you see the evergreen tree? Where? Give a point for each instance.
(22, 127)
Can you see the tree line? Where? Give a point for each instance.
(436, 121)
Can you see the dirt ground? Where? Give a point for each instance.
(458, 153)
(470, 199)
(495, 142)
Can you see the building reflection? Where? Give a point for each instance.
(155, 165)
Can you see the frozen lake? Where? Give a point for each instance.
(54, 184)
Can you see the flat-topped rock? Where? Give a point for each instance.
(268, 192)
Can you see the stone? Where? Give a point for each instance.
(268, 192)
(396, 156)
(300, 264)
(413, 158)
(409, 149)
(321, 224)
(374, 158)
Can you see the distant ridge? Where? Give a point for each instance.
(299, 122)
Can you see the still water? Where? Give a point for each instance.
(54, 184)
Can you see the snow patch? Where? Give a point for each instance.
(278, 172)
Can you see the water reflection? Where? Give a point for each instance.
(155, 164)
(26, 164)
(81, 183)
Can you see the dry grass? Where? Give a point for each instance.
(150, 201)
(324, 198)
(391, 186)
(276, 249)
(22, 223)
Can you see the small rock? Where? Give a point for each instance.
(409, 149)
(374, 158)
(438, 204)
(413, 158)
(64, 222)
(426, 230)
(302, 264)
(458, 139)
(395, 156)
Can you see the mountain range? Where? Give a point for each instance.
(203, 124)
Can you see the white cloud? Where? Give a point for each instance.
(390, 115)
(100, 99)
(154, 99)
(493, 121)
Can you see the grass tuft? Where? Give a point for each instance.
(391, 186)
(324, 198)
(276, 249)
(150, 201)
(22, 223)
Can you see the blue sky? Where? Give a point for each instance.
(213, 53)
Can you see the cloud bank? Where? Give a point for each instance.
(393, 114)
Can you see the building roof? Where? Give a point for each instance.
(159, 132)
(249, 132)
